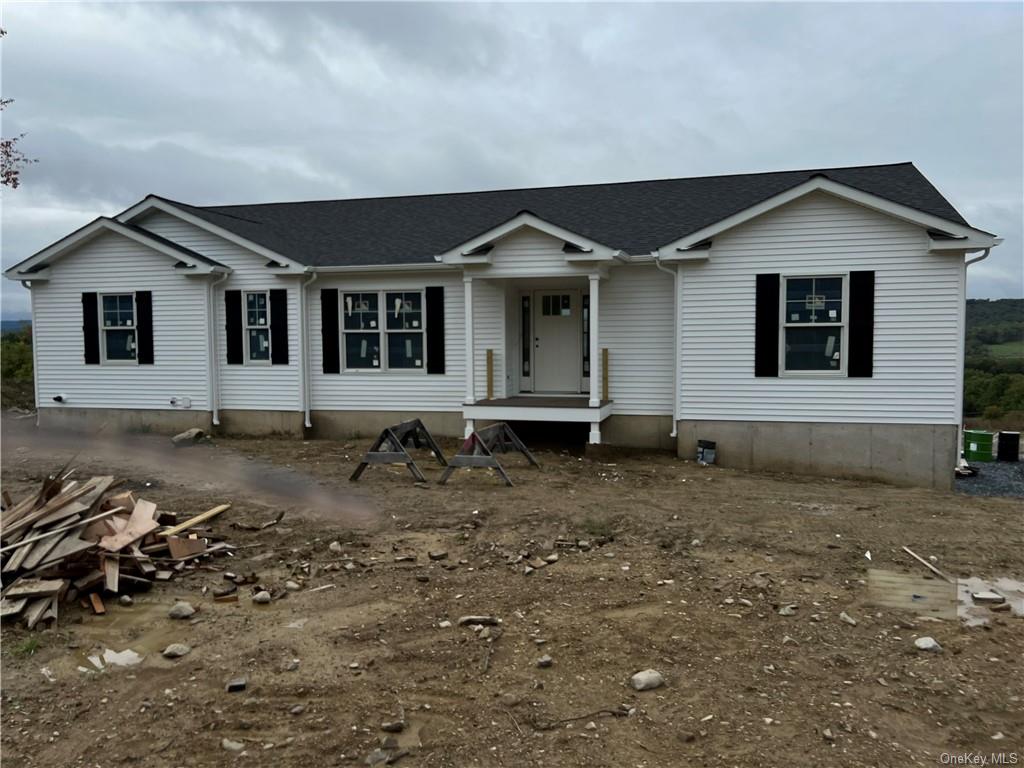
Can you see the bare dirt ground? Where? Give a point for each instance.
(677, 553)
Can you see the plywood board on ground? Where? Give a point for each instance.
(921, 595)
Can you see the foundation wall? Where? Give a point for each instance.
(904, 454)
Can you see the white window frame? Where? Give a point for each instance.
(104, 360)
(246, 328)
(843, 324)
(382, 329)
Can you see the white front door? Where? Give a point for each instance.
(556, 341)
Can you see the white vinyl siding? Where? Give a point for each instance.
(915, 379)
(113, 264)
(401, 390)
(529, 253)
(489, 309)
(635, 325)
(242, 387)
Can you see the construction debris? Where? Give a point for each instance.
(74, 540)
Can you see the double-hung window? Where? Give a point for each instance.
(257, 326)
(813, 324)
(117, 319)
(384, 330)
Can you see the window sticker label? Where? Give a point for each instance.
(814, 301)
(831, 314)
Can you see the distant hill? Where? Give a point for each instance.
(994, 360)
(9, 326)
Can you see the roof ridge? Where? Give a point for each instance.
(219, 208)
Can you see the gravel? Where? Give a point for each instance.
(994, 478)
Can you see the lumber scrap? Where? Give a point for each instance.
(184, 547)
(111, 573)
(62, 529)
(928, 565)
(141, 522)
(35, 610)
(34, 588)
(12, 606)
(200, 518)
(55, 503)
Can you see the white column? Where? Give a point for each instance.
(467, 284)
(595, 347)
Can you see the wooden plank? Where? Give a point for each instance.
(181, 547)
(33, 588)
(13, 564)
(201, 518)
(111, 574)
(56, 503)
(70, 545)
(928, 565)
(45, 534)
(35, 610)
(41, 549)
(142, 562)
(141, 522)
(490, 374)
(12, 607)
(921, 595)
(60, 516)
(88, 581)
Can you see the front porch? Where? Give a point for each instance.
(538, 408)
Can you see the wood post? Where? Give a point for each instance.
(490, 374)
(604, 374)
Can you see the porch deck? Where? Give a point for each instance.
(538, 408)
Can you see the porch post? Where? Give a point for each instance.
(467, 284)
(595, 346)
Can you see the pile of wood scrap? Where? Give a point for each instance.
(74, 540)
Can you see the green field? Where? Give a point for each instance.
(1008, 350)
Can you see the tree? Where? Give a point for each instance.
(12, 159)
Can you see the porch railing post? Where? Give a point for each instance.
(467, 284)
(490, 374)
(595, 308)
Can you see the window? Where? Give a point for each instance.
(555, 305)
(257, 326)
(384, 330)
(118, 323)
(813, 324)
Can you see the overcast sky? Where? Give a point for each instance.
(227, 103)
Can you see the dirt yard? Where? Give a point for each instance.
(684, 570)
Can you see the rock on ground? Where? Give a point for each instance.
(647, 680)
(176, 651)
(181, 610)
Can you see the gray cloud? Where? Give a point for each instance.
(228, 103)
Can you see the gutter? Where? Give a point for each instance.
(304, 347)
(676, 330)
(976, 259)
(214, 371)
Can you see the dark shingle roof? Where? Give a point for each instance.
(636, 217)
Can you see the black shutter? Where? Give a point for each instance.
(233, 326)
(91, 329)
(144, 326)
(435, 329)
(766, 326)
(862, 325)
(329, 320)
(279, 327)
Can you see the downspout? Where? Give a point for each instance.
(304, 346)
(214, 370)
(27, 284)
(675, 339)
(962, 353)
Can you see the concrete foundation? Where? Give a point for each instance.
(359, 424)
(238, 422)
(90, 420)
(638, 432)
(903, 454)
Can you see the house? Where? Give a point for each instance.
(808, 321)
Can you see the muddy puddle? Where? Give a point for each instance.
(976, 613)
(125, 636)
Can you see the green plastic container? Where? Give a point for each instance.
(978, 445)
